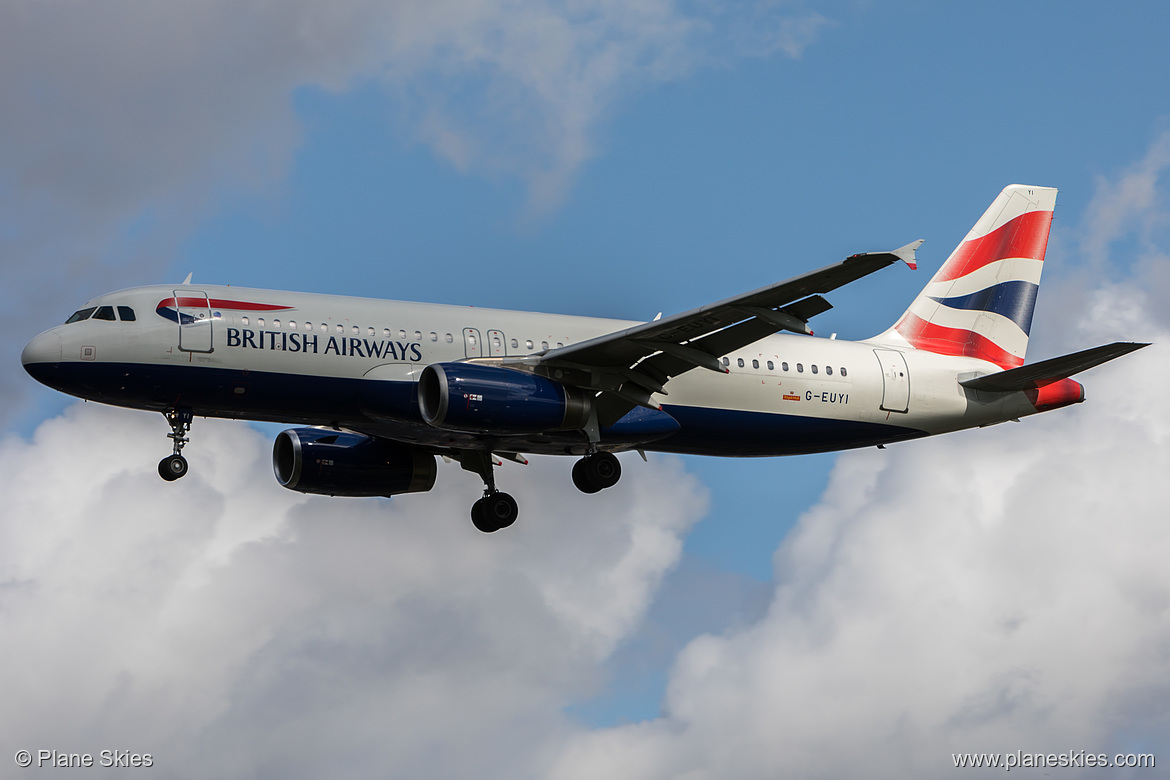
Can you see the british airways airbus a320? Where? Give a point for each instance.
(382, 387)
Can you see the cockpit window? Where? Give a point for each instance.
(104, 313)
(83, 314)
(126, 314)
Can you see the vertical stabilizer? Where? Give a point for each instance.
(980, 302)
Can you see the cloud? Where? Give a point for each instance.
(232, 628)
(991, 590)
(1133, 204)
(125, 121)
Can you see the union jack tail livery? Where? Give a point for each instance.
(980, 302)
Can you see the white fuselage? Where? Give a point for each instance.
(353, 363)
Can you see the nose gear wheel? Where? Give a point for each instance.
(174, 465)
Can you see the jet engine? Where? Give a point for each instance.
(317, 460)
(471, 397)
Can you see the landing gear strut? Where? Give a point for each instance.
(596, 471)
(174, 465)
(496, 510)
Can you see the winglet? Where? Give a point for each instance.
(188, 279)
(906, 253)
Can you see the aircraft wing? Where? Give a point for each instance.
(628, 365)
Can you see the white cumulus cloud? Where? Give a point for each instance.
(232, 628)
(989, 591)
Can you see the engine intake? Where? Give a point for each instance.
(313, 460)
(470, 397)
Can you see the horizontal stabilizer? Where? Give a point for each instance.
(1049, 371)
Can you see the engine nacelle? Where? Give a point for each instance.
(314, 460)
(471, 397)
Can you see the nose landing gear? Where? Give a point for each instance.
(174, 466)
(596, 471)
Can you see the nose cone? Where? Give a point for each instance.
(41, 354)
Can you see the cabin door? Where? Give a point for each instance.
(895, 380)
(194, 311)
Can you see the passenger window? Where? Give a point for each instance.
(259, 322)
(814, 368)
(726, 362)
(544, 345)
(434, 336)
(126, 314)
(770, 366)
(324, 328)
(83, 314)
(308, 326)
(829, 370)
(528, 344)
(243, 320)
(356, 330)
(559, 345)
(755, 364)
(292, 324)
(449, 338)
(418, 335)
(800, 368)
(784, 366)
(276, 323)
(104, 313)
(385, 333)
(739, 362)
(370, 331)
(401, 334)
(515, 344)
(844, 372)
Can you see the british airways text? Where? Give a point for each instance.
(314, 344)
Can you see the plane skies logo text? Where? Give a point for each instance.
(313, 343)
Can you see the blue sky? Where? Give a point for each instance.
(607, 161)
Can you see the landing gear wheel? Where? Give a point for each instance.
(581, 479)
(501, 509)
(478, 519)
(596, 472)
(494, 512)
(172, 467)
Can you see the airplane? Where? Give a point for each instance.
(380, 388)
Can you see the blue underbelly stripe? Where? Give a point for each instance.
(390, 408)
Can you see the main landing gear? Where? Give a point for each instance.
(496, 510)
(174, 466)
(596, 471)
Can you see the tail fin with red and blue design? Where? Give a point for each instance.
(980, 302)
